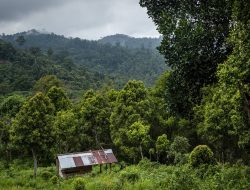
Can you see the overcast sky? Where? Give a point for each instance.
(88, 19)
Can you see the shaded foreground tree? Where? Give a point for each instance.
(32, 128)
(224, 114)
(66, 132)
(162, 145)
(94, 114)
(138, 134)
(131, 106)
(194, 43)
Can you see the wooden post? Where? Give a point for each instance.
(106, 168)
(100, 168)
(57, 167)
(110, 167)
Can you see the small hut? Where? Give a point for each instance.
(82, 162)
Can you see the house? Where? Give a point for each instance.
(82, 162)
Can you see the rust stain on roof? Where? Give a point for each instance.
(78, 161)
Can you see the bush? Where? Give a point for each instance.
(201, 154)
(147, 164)
(131, 175)
(180, 145)
(54, 179)
(103, 184)
(180, 158)
(79, 184)
(46, 175)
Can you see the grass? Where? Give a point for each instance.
(145, 175)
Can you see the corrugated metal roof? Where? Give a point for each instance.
(66, 162)
(88, 158)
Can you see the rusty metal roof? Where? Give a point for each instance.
(87, 158)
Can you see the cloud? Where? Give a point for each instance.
(14, 9)
(90, 19)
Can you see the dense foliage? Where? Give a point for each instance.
(206, 44)
(122, 63)
(19, 71)
(130, 42)
(194, 43)
(145, 176)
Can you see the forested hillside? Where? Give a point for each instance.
(131, 42)
(20, 70)
(119, 62)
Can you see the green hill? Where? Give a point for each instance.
(131, 42)
(138, 59)
(19, 70)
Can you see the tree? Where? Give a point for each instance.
(35, 51)
(194, 43)
(11, 105)
(218, 120)
(224, 114)
(138, 134)
(180, 145)
(58, 98)
(201, 154)
(20, 40)
(159, 110)
(179, 149)
(94, 114)
(66, 132)
(46, 82)
(7, 51)
(5, 139)
(32, 128)
(50, 52)
(131, 106)
(161, 145)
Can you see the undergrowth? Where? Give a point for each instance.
(144, 176)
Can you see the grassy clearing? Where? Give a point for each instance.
(146, 175)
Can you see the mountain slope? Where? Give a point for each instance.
(121, 63)
(131, 42)
(19, 70)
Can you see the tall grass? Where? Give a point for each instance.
(145, 175)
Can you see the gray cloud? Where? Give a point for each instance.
(14, 9)
(89, 19)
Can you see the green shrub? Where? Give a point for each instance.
(46, 175)
(147, 164)
(79, 184)
(54, 179)
(131, 175)
(201, 154)
(180, 158)
(182, 179)
(103, 184)
(31, 183)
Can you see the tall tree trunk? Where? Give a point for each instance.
(35, 162)
(141, 151)
(96, 136)
(246, 100)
